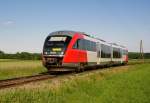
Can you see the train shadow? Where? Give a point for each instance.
(57, 72)
(91, 68)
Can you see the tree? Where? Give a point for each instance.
(1, 52)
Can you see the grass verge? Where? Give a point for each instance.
(125, 85)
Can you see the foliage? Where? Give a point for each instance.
(147, 55)
(133, 55)
(1, 52)
(21, 56)
(136, 55)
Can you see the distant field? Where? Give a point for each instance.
(10, 68)
(133, 61)
(125, 84)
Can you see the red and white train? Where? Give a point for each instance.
(67, 50)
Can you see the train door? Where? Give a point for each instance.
(98, 49)
(121, 53)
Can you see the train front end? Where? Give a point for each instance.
(54, 49)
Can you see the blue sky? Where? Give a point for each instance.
(24, 24)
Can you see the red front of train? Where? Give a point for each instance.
(60, 50)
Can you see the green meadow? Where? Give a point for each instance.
(11, 68)
(124, 84)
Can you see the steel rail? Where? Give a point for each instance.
(23, 80)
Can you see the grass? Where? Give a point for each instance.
(128, 84)
(10, 68)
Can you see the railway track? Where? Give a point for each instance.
(23, 80)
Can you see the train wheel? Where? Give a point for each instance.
(77, 70)
(80, 68)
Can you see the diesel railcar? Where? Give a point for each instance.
(70, 50)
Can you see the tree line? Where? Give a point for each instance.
(136, 55)
(37, 56)
(21, 56)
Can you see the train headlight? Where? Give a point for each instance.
(45, 53)
(62, 53)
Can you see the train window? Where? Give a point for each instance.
(98, 50)
(76, 45)
(88, 48)
(90, 45)
(93, 46)
(105, 51)
(83, 44)
(125, 52)
(79, 44)
(57, 39)
(116, 53)
(58, 43)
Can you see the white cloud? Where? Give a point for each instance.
(8, 23)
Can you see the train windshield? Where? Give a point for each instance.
(56, 45)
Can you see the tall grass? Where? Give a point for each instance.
(10, 68)
(108, 86)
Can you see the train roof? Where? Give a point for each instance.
(117, 45)
(71, 34)
(68, 33)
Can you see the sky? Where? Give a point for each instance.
(24, 24)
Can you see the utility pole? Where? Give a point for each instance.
(141, 50)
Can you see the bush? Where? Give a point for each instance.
(136, 55)
(21, 56)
